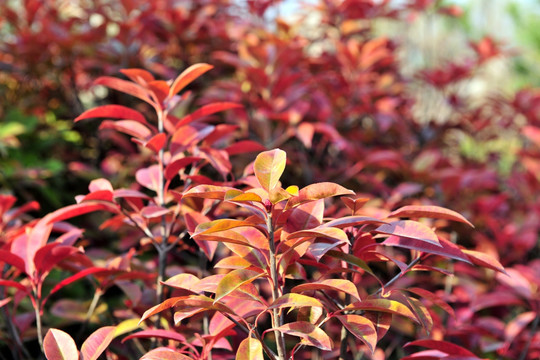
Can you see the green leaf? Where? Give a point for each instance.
(234, 280)
(250, 349)
(269, 167)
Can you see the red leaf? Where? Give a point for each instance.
(347, 221)
(176, 165)
(153, 211)
(77, 276)
(112, 112)
(162, 334)
(167, 304)
(58, 345)
(187, 76)
(205, 111)
(12, 259)
(14, 284)
(71, 211)
(329, 233)
(163, 353)
(50, 255)
(129, 127)
(97, 342)
(329, 284)
(444, 346)
(149, 177)
(318, 191)
(446, 248)
(485, 260)
(157, 142)
(417, 211)
(125, 87)
(138, 75)
(244, 146)
(409, 229)
(361, 328)
(310, 334)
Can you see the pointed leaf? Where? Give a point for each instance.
(250, 349)
(167, 304)
(112, 112)
(156, 333)
(347, 221)
(125, 87)
(71, 211)
(294, 301)
(14, 284)
(138, 75)
(433, 298)
(187, 76)
(244, 146)
(318, 191)
(129, 127)
(409, 229)
(12, 259)
(361, 328)
(175, 166)
(446, 248)
(269, 167)
(436, 212)
(444, 346)
(234, 280)
(329, 233)
(483, 259)
(329, 284)
(205, 111)
(310, 334)
(58, 345)
(163, 353)
(208, 191)
(384, 305)
(96, 343)
(183, 281)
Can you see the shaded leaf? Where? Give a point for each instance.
(176, 165)
(12, 259)
(71, 211)
(347, 221)
(129, 127)
(97, 342)
(59, 345)
(244, 146)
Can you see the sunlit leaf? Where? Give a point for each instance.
(187, 76)
(269, 166)
(409, 229)
(208, 192)
(437, 212)
(361, 328)
(207, 110)
(112, 112)
(234, 280)
(310, 334)
(163, 353)
(97, 342)
(485, 260)
(294, 300)
(341, 285)
(59, 345)
(316, 192)
(384, 305)
(156, 333)
(250, 349)
(329, 233)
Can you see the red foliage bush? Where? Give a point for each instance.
(239, 238)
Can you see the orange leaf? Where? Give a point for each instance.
(269, 166)
(187, 76)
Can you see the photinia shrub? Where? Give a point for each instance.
(246, 267)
